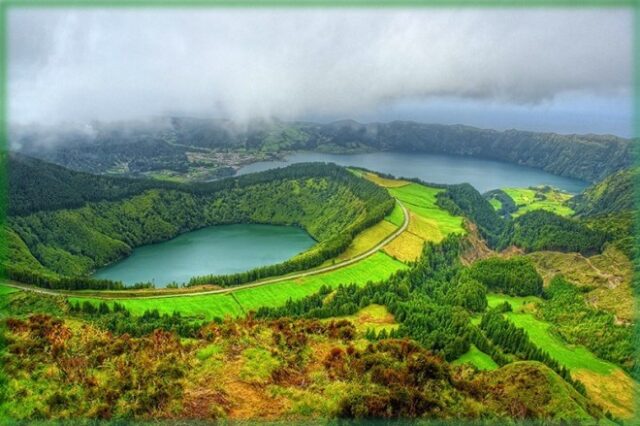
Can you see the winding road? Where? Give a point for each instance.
(279, 278)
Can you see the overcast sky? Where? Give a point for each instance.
(557, 70)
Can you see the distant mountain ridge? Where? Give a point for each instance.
(169, 144)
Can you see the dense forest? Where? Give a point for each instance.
(330, 203)
(613, 194)
(167, 144)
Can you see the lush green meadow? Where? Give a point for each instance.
(477, 358)
(606, 383)
(376, 267)
(529, 199)
(6, 290)
(572, 357)
(495, 203)
(519, 304)
(421, 200)
(427, 221)
(396, 216)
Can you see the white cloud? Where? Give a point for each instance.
(242, 64)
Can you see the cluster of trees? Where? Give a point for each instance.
(35, 185)
(332, 204)
(515, 340)
(57, 282)
(621, 230)
(117, 319)
(507, 205)
(543, 230)
(516, 276)
(424, 300)
(578, 323)
(464, 199)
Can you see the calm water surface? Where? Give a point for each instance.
(484, 175)
(221, 249)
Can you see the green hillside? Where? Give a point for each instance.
(331, 204)
(616, 193)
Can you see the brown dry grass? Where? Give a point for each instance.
(474, 248)
(609, 273)
(426, 229)
(615, 392)
(387, 183)
(407, 247)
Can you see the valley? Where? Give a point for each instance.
(382, 273)
(319, 213)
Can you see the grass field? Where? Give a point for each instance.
(406, 247)
(421, 200)
(477, 358)
(519, 304)
(376, 267)
(427, 221)
(366, 240)
(572, 357)
(497, 205)
(526, 200)
(396, 216)
(387, 183)
(6, 290)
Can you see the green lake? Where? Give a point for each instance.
(224, 249)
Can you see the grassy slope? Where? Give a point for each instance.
(606, 383)
(421, 200)
(428, 222)
(376, 267)
(387, 183)
(476, 357)
(525, 199)
(609, 273)
(556, 398)
(366, 240)
(495, 203)
(396, 216)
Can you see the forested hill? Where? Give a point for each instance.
(169, 144)
(613, 194)
(67, 224)
(37, 185)
(587, 157)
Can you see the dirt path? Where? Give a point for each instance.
(308, 273)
